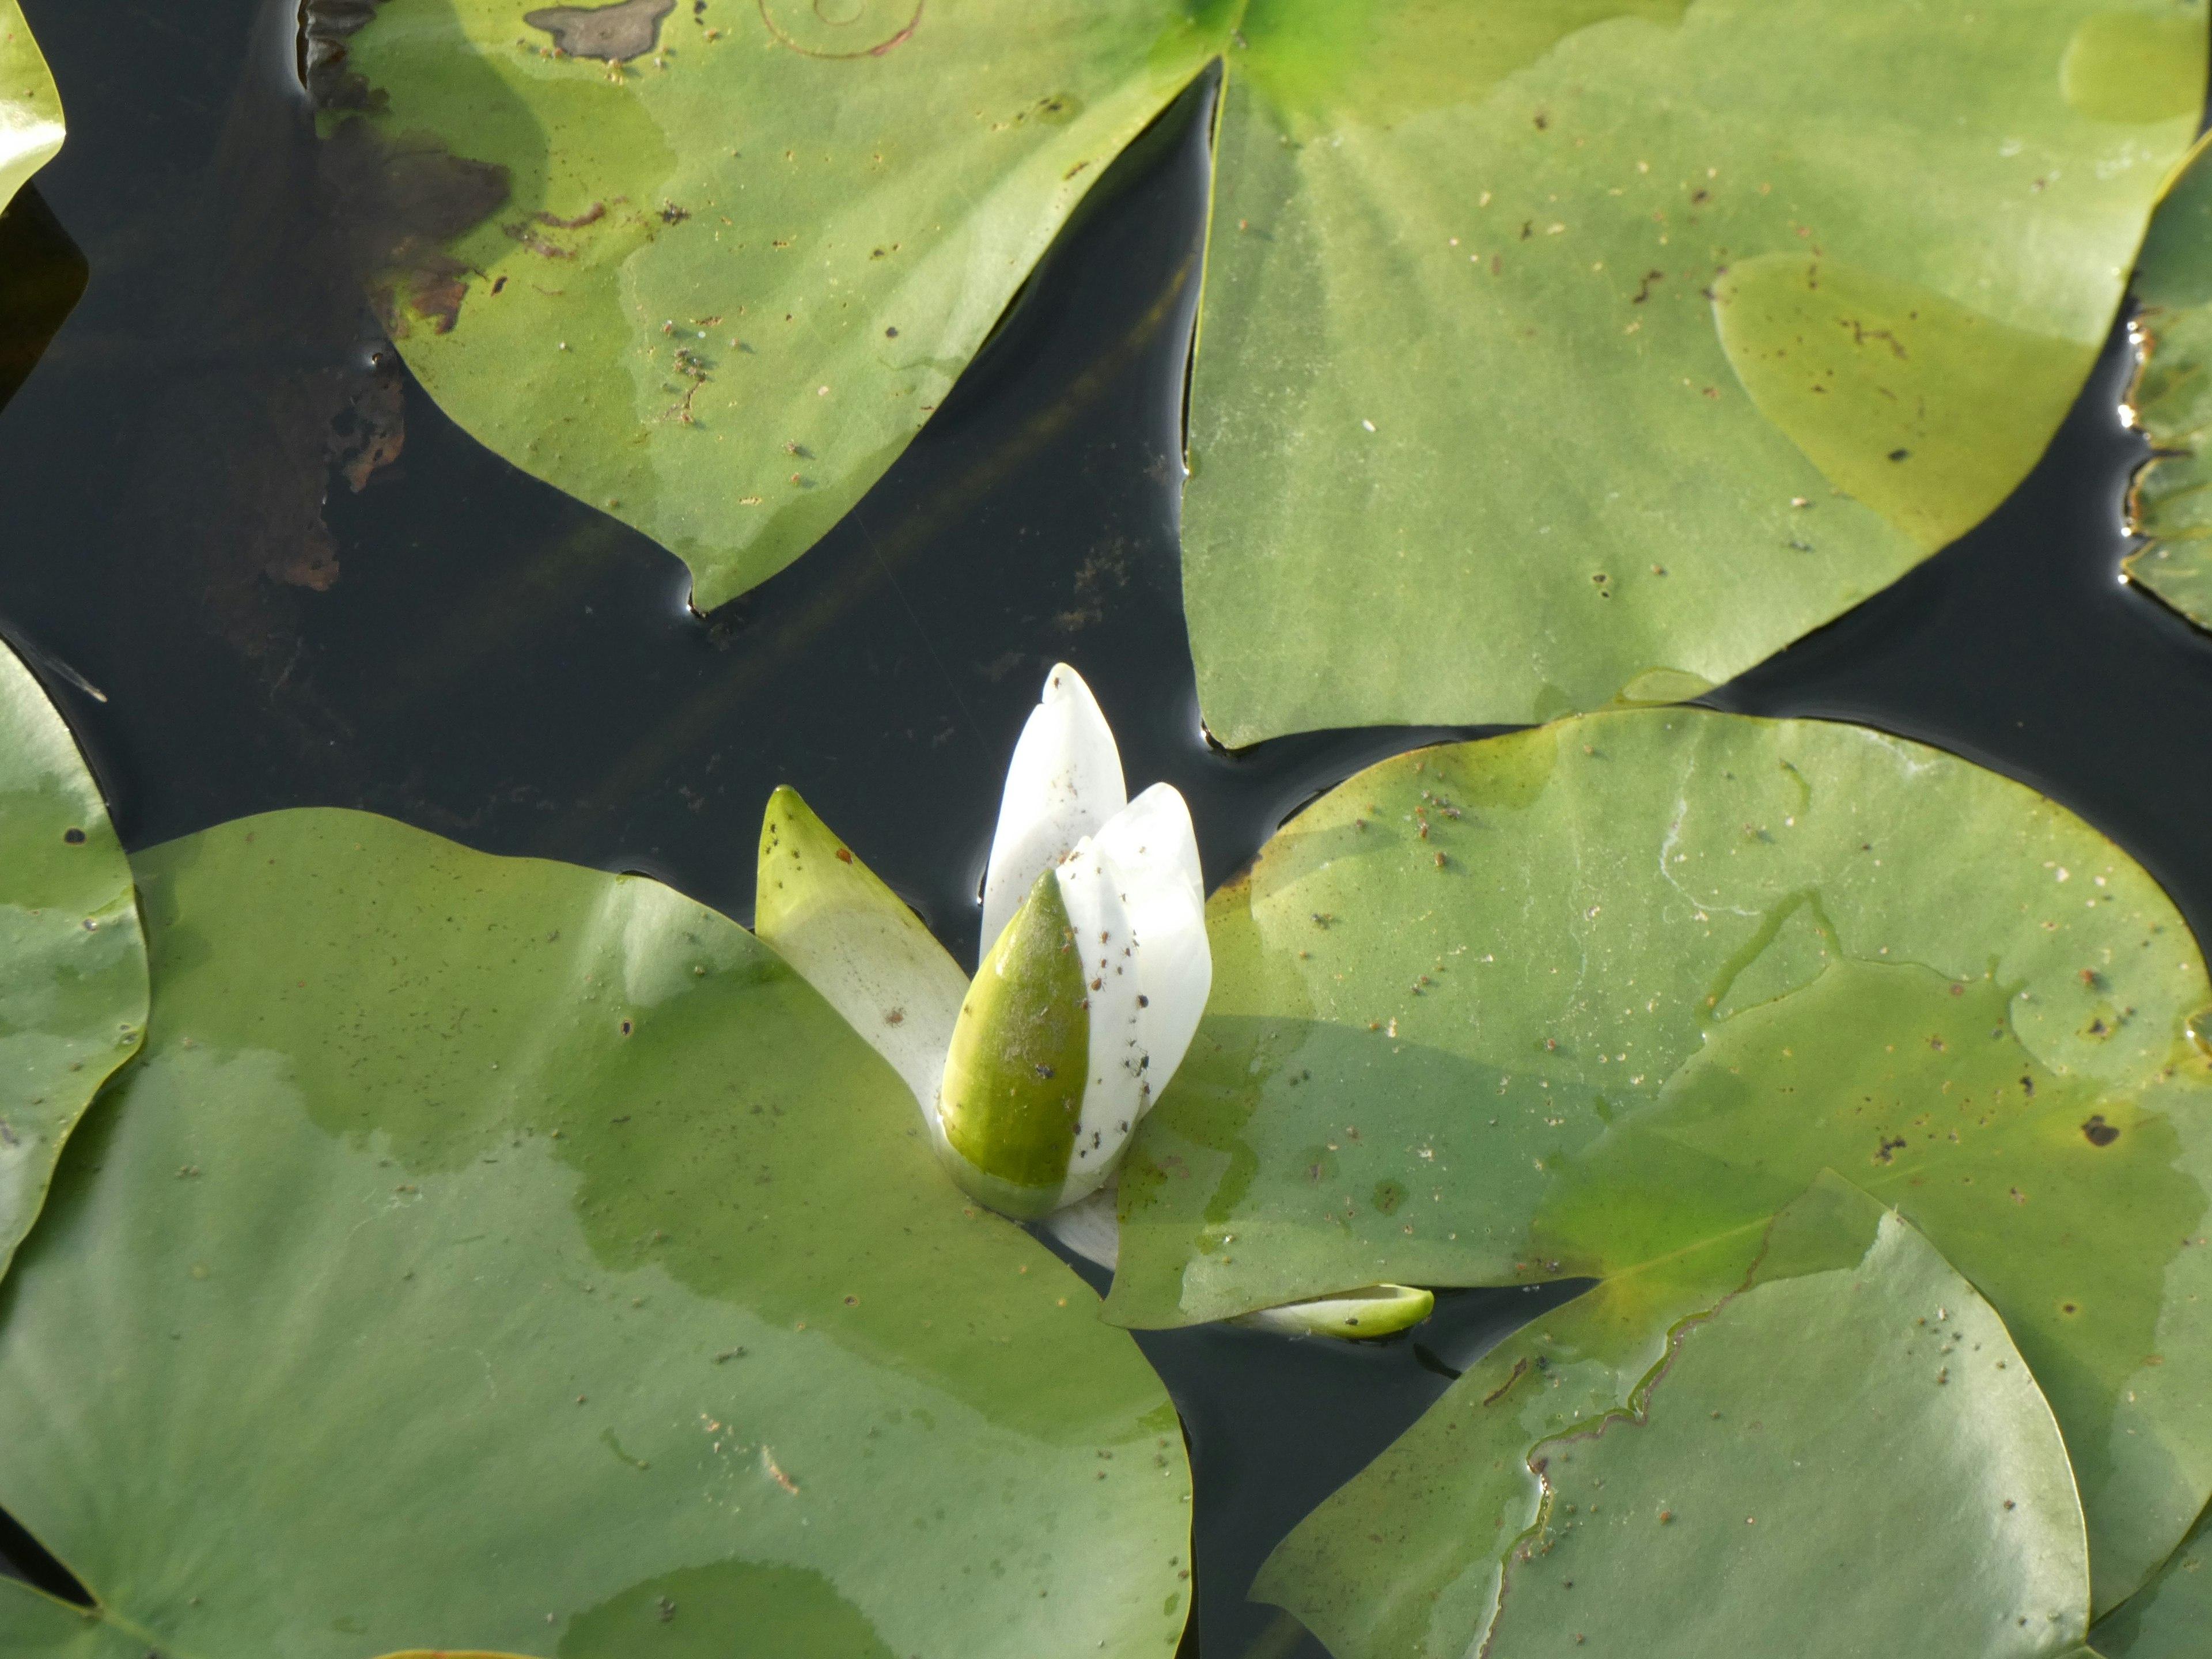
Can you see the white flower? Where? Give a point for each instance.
(1032, 1077)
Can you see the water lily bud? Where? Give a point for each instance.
(1011, 1098)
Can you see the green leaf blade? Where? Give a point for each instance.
(31, 124)
(1457, 354)
(1836, 1443)
(72, 958)
(486, 1239)
(1584, 999)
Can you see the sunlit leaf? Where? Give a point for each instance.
(737, 266)
(1579, 999)
(2172, 398)
(1547, 346)
(1829, 1446)
(489, 1253)
(72, 959)
(30, 107)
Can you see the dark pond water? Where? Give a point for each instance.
(231, 628)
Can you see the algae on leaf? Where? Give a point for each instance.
(749, 247)
(1578, 1001)
(1831, 1447)
(31, 127)
(72, 959)
(2171, 399)
(1545, 346)
(492, 1254)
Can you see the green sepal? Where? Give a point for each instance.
(1370, 1311)
(857, 943)
(1013, 1091)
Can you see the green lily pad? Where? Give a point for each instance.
(1831, 1447)
(1577, 1000)
(2172, 398)
(744, 255)
(31, 127)
(2168, 1617)
(72, 959)
(1548, 349)
(489, 1253)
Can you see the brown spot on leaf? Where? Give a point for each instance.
(2099, 1133)
(614, 34)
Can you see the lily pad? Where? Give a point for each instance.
(1595, 349)
(1580, 1000)
(72, 959)
(748, 246)
(2168, 1617)
(1832, 1447)
(490, 1254)
(31, 127)
(2172, 398)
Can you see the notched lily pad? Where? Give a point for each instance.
(501, 1256)
(1828, 1445)
(1592, 996)
(749, 247)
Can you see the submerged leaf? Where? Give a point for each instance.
(31, 127)
(1546, 345)
(1575, 1001)
(1828, 1447)
(2171, 399)
(72, 959)
(489, 1253)
(2167, 1619)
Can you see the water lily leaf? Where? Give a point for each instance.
(30, 126)
(2172, 398)
(72, 959)
(494, 1255)
(1547, 346)
(2168, 1617)
(1580, 1000)
(745, 249)
(1829, 1391)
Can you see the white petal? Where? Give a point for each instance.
(1152, 848)
(1063, 783)
(1115, 1088)
(1090, 1227)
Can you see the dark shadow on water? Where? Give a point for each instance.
(23, 1557)
(42, 276)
